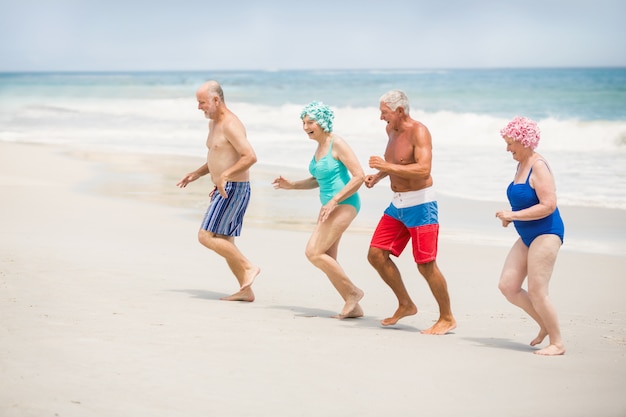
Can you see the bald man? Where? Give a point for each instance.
(229, 159)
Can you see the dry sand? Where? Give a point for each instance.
(109, 307)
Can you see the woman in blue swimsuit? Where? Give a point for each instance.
(337, 172)
(534, 212)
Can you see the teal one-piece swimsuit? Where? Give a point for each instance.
(332, 175)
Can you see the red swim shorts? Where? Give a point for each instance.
(392, 235)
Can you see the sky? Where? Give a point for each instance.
(140, 35)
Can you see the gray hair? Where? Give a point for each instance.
(395, 99)
(214, 88)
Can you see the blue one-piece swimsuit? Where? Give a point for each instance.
(522, 196)
(332, 175)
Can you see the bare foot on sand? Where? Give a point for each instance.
(551, 350)
(356, 312)
(537, 340)
(441, 327)
(251, 274)
(241, 295)
(351, 302)
(402, 311)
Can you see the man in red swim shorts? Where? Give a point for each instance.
(412, 215)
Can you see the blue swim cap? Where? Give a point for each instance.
(321, 113)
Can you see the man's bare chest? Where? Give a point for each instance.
(400, 151)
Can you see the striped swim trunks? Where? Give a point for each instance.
(411, 216)
(225, 215)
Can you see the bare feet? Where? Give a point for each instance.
(442, 326)
(551, 350)
(251, 274)
(356, 312)
(351, 302)
(537, 340)
(402, 311)
(241, 295)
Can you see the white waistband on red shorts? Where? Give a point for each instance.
(413, 198)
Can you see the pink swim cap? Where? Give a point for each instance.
(524, 130)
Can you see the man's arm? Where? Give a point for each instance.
(192, 176)
(372, 179)
(422, 155)
(236, 135)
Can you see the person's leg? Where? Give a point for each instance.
(242, 268)
(542, 256)
(221, 223)
(321, 250)
(439, 287)
(512, 277)
(391, 233)
(388, 271)
(425, 239)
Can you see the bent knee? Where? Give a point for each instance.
(311, 254)
(508, 289)
(205, 237)
(427, 269)
(537, 295)
(504, 288)
(376, 256)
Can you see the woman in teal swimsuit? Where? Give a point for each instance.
(535, 215)
(337, 172)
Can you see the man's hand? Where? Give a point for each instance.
(187, 179)
(376, 162)
(221, 187)
(371, 180)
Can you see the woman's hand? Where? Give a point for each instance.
(326, 210)
(283, 183)
(505, 216)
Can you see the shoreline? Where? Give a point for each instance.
(152, 178)
(110, 307)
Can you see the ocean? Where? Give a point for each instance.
(581, 114)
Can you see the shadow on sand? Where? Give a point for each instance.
(498, 343)
(307, 312)
(203, 294)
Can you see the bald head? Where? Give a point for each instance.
(212, 88)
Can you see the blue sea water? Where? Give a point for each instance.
(582, 94)
(581, 113)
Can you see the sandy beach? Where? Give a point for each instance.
(110, 307)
